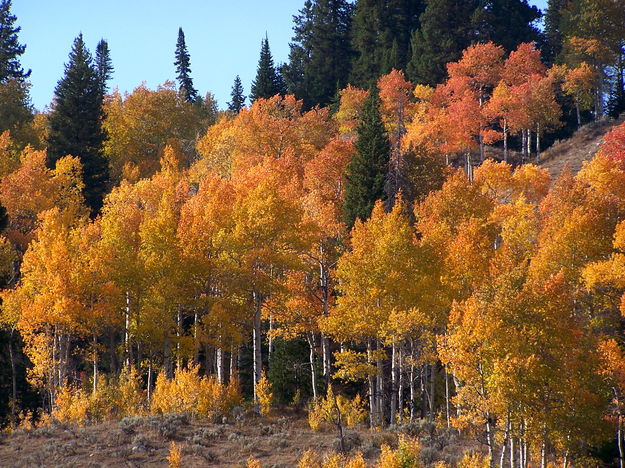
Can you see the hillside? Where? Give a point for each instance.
(275, 441)
(582, 146)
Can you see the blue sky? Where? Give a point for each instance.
(223, 38)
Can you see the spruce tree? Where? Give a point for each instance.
(368, 168)
(268, 81)
(381, 34)
(75, 124)
(237, 98)
(321, 53)
(10, 48)
(507, 23)
(446, 29)
(103, 65)
(183, 69)
(551, 43)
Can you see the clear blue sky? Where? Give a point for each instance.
(223, 38)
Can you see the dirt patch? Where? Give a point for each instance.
(582, 146)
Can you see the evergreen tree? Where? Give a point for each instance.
(551, 43)
(367, 170)
(507, 23)
(237, 98)
(446, 30)
(183, 69)
(10, 48)
(321, 52)
(103, 65)
(381, 33)
(75, 123)
(268, 81)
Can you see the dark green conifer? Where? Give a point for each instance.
(446, 29)
(507, 23)
(320, 56)
(551, 43)
(75, 123)
(268, 81)
(381, 34)
(368, 168)
(237, 98)
(10, 48)
(103, 65)
(183, 69)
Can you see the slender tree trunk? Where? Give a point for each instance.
(447, 397)
(178, 336)
(490, 441)
(394, 379)
(432, 391)
(469, 167)
(504, 446)
(313, 368)
(380, 384)
(270, 344)
(512, 453)
(372, 411)
(196, 344)
(543, 455)
(258, 362)
(95, 364)
(537, 143)
(233, 355)
(220, 365)
(324, 279)
(127, 351)
(528, 142)
(400, 385)
(619, 440)
(505, 140)
(13, 380)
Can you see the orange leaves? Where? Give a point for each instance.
(479, 68)
(614, 146)
(142, 123)
(521, 64)
(351, 103)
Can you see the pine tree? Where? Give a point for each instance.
(268, 81)
(367, 170)
(237, 98)
(10, 48)
(183, 69)
(381, 33)
(507, 23)
(552, 37)
(320, 51)
(75, 124)
(446, 30)
(103, 65)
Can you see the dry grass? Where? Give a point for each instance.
(582, 146)
(275, 441)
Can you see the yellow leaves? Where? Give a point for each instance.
(580, 83)
(188, 392)
(142, 123)
(351, 103)
(334, 410)
(264, 394)
(175, 456)
(405, 456)
(354, 366)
